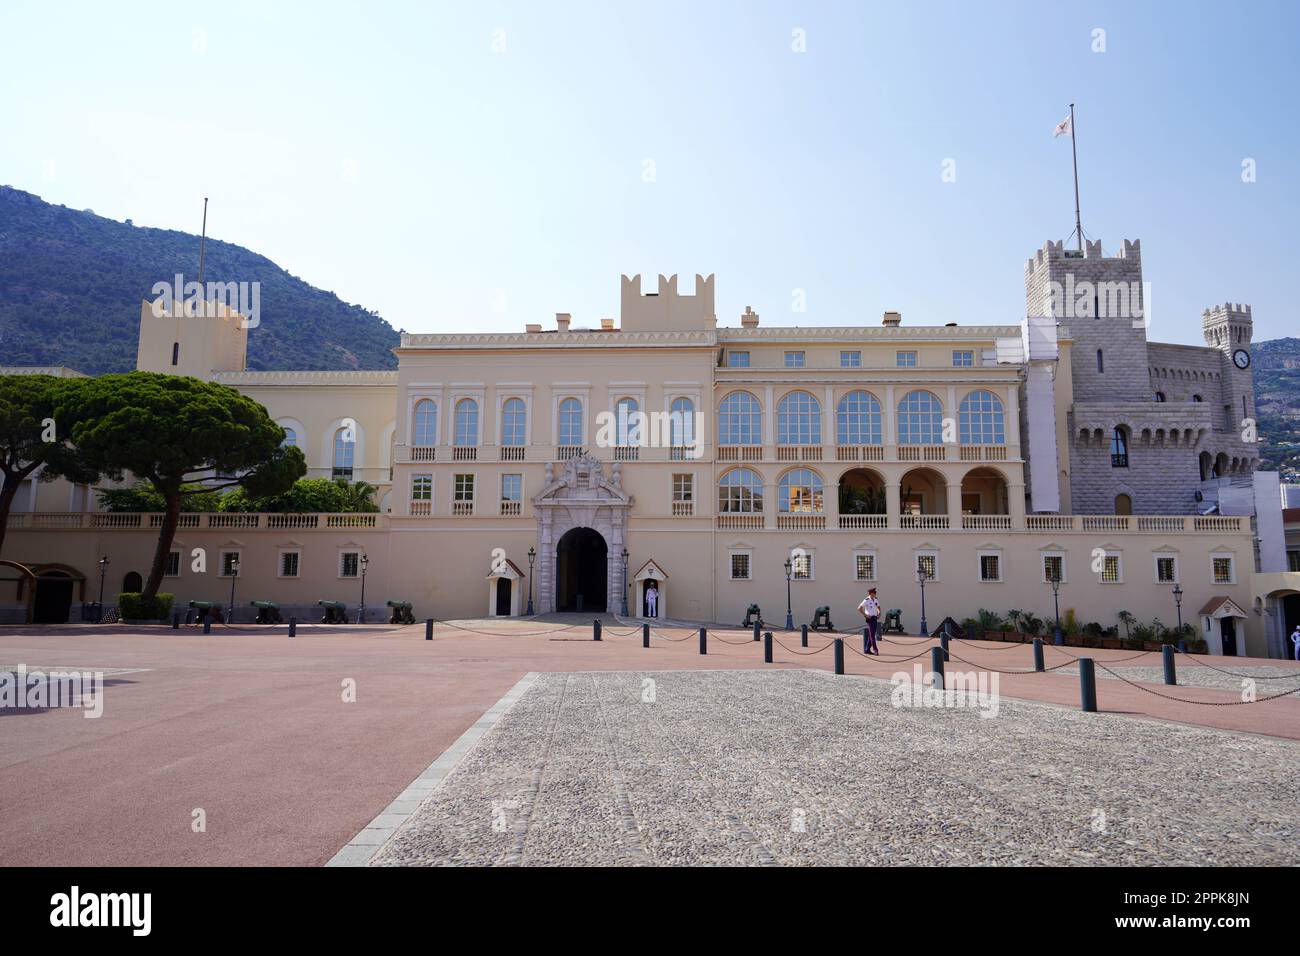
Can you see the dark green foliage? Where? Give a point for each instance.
(142, 496)
(71, 284)
(134, 606)
(307, 496)
(1277, 400)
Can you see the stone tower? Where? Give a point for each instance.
(1100, 300)
(1229, 328)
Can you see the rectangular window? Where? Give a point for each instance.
(795, 359)
(850, 360)
(906, 359)
(1223, 571)
(801, 566)
(349, 564)
(230, 561)
(1110, 570)
(927, 565)
(990, 567)
(737, 360)
(683, 488)
(289, 564)
(1166, 570)
(1293, 560)
(173, 565)
(1053, 567)
(864, 567)
(740, 566)
(464, 488)
(422, 487)
(963, 358)
(512, 488)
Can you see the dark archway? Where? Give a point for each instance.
(132, 583)
(503, 597)
(53, 598)
(581, 571)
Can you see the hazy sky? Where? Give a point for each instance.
(482, 165)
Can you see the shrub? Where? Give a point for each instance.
(1031, 624)
(134, 606)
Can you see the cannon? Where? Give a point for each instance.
(336, 612)
(268, 612)
(893, 621)
(402, 613)
(201, 609)
(752, 614)
(822, 618)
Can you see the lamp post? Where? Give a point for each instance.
(789, 612)
(922, 575)
(1056, 601)
(625, 582)
(103, 569)
(361, 612)
(532, 558)
(1178, 605)
(234, 573)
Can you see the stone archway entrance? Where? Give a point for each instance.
(581, 571)
(581, 498)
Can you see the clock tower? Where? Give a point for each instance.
(1229, 329)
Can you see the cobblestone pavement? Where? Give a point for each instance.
(802, 767)
(1268, 680)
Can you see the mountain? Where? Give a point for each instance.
(71, 283)
(1277, 400)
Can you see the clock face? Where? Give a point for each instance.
(1241, 358)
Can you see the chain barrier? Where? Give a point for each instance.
(998, 670)
(1203, 703)
(800, 652)
(470, 630)
(1194, 658)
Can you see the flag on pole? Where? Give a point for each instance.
(1062, 128)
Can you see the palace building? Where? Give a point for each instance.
(572, 466)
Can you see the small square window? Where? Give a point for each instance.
(795, 359)
(906, 359)
(927, 565)
(850, 360)
(230, 564)
(737, 360)
(963, 358)
(1110, 571)
(1223, 571)
(173, 569)
(349, 564)
(1166, 570)
(990, 567)
(801, 566)
(1053, 568)
(740, 566)
(864, 567)
(289, 564)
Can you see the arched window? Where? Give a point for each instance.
(980, 419)
(857, 419)
(176, 353)
(570, 422)
(466, 422)
(514, 422)
(920, 419)
(425, 432)
(627, 422)
(798, 420)
(345, 446)
(1123, 505)
(681, 422)
(800, 491)
(740, 491)
(740, 420)
(1160, 396)
(1118, 448)
(1197, 398)
(290, 438)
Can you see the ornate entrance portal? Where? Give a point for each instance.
(581, 532)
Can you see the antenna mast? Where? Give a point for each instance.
(203, 239)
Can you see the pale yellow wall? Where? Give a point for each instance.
(201, 344)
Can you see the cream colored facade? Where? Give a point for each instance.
(484, 446)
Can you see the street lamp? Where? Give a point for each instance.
(532, 557)
(103, 569)
(789, 613)
(1056, 600)
(625, 582)
(923, 575)
(234, 573)
(1178, 604)
(361, 613)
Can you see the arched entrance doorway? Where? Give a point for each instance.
(132, 583)
(53, 598)
(581, 571)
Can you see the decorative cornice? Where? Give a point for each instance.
(337, 377)
(694, 338)
(920, 333)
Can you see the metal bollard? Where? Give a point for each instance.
(839, 655)
(176, 620)
(804, 634)
(428, 628)
(595, 629)
(207, 623)
(936, 667)
(1182, 646)
(1171, 676)
(704, 641)
(1060, 637)
(943, 643)
(767, 647)
(645, 634)
(756, 630)
(1087, 685)
(293, 627)
(1038, 654)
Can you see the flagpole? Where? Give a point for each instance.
(1078, 222)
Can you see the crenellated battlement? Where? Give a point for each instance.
(667, 308)
(1130, 249)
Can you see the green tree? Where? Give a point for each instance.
(173, 432)
(308, 496)
(32, 435)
